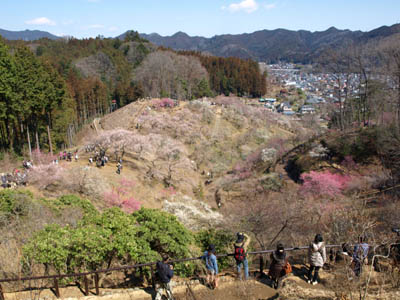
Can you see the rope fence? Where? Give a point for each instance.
(96, 273)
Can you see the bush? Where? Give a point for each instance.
(361, 145)
(75, 201)
(50, 248)
(223, 241)
(113, 236)
(14, 203)
(165, 236)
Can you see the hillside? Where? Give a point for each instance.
(273, 45)
(169, 153)
(27, 35)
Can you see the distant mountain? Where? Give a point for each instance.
(272, 45)
(27, 35)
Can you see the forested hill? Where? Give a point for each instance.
(64, 84)
(273, 45)
(27, 35)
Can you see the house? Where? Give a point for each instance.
(286, 109)
(307, 109)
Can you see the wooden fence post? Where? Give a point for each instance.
(56, 288)
(86, 284)
(96, 283)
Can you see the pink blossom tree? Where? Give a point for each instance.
(324, 183)
(120, 196)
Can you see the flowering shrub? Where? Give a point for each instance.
(324, 183)
(164, 102)
(44, 175)
(119, 197)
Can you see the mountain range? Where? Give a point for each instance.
(265, 45)
(274, 45)
(27, 35)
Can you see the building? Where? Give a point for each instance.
(307, 109)
(286, 109)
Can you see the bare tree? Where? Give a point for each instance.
(164, 73)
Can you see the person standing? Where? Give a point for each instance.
(212, 266)
(164, 273)
(241, 246)
(317, 258)
(279, 260)
(119, 168)
(360, 254)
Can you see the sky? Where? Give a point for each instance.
(110, 18)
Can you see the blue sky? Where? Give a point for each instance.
(89, 18)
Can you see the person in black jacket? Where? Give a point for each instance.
(165, 273)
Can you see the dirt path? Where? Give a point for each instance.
(229, 289)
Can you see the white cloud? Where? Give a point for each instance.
(269, 6)
(248, 6)
(41, 21)
(95, 26)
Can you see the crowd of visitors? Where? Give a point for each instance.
(279, 263)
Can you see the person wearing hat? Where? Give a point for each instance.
(241, 245)
(212, 266)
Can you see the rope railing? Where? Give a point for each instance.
(124, 268)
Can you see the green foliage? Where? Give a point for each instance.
(75, 201)
(98, 240)
(14, 203)
(223, 241)
(133, 36)
(361, 145)
(166, 236)
(49, 247)
(203, 89)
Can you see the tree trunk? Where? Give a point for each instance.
(29, 143)
(50, 144)
(37, 142)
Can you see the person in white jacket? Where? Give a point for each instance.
(317, 258)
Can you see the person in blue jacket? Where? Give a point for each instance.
(212, 266)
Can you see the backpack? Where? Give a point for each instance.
(240, 255)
